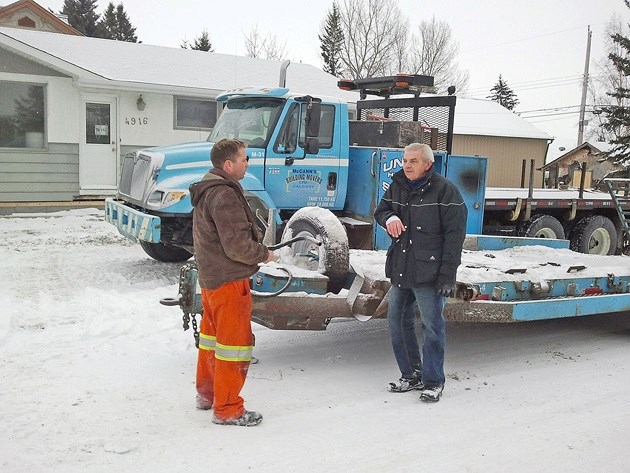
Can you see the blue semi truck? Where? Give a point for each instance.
(303, 152)
(314, 172)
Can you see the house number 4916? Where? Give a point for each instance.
(136, 121)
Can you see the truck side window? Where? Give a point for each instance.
(287, 138)
(326, 127)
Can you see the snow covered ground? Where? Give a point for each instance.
(97, 376)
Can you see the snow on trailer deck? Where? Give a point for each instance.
(518, 283)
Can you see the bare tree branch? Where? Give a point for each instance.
(265, 48)
(434, 52)
(372, 31)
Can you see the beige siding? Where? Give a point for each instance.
(51, 175)
(505, 157)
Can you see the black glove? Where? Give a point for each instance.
(446, 289)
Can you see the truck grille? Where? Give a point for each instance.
(135, 176)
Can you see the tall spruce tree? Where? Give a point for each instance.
(115, 24)
(617, 118)
(126, 31)
(82, 15)
(331, 39)
(503, 95)
(108, 24)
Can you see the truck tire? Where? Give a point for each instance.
(595, 235)
(331, 258)
(165, 253)
(542, 226)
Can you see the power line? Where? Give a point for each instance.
(550, 109)
(534, 84)
(526, 39)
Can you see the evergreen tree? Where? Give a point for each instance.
(503, 95)
(331, 39)
(202, 42)
(617, 118)
(115, 24)
(107, 25)
(82, 15)
(126, 31)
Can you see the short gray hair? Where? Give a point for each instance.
(427, 152)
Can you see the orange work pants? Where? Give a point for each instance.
(225, 347)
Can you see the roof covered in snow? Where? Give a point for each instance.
(561, 147)
(96, 62)
(488, 118)
(117, 63)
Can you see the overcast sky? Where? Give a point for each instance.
(539, 46)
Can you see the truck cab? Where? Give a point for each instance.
(297, 147)
(303, 152)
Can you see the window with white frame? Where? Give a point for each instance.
(22, 115)
(195, 113)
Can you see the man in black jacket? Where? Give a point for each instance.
(425, 215)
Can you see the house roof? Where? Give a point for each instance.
(107, 63)
(29, 6)
(488, 118)
(102, 63)
(601, 146)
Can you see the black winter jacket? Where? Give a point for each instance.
(434, 215)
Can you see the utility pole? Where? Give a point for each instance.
(582, 122)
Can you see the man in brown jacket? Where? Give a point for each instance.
(228, 249)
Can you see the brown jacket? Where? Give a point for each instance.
(225, 235)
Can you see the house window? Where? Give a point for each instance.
(195, 113)
(22, 115)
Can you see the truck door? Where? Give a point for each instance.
(468, 173)
(296, 179)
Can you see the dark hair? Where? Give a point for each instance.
(225, 149)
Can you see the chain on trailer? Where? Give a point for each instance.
(189, 299)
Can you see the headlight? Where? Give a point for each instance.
(155, 198)
(165, 199)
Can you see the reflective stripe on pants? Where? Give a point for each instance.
(225, 347)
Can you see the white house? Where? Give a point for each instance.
(71, 106)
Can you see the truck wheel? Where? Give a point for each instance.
(165, 253)
(595, 235)
(542, 226)
(331, 258)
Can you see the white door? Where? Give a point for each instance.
(98, 150)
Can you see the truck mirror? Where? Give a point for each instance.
(312, 145)
(313, 113)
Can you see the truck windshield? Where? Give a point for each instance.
(249, 119)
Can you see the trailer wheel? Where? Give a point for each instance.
(331, 258)
(165, 253)
(542, 226)
(595, 235)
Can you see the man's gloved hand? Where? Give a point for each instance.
(445, 289)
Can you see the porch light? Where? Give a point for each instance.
(140, 103)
